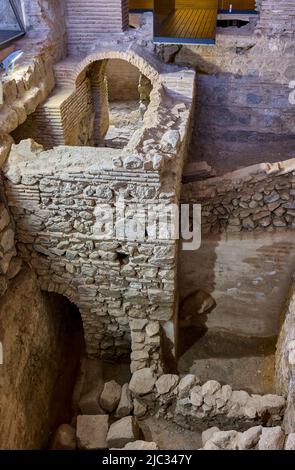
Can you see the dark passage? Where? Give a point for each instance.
(70, 347)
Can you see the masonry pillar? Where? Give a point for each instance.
(99, 92)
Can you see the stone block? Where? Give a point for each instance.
(110, 396)
(92, 432)
(142, 381)
(123, 431)
(166, 383)
(125, 406)
(272, 439)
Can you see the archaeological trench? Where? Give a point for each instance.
(108, 342)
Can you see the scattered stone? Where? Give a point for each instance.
(123, 431)
(207, 435)
(249, 438)
(290, 442)
(125, 406)
(141, 445)
(89, 403)
(226, 440)
(142, 381)
(196, 396)
(210, 387)
(92, 432)
(140, 409)
(110, 396)
(210, 446)
(186, 383)
(272, 439)
(273, 404)
(166, 383)
(64, 438)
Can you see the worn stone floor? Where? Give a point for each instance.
(125, 119)
(169, 436)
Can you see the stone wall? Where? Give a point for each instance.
(285, 359)
(256, 438)
(257, 198)
(247, 253)
(196, 406)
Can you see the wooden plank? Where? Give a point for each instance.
(196, 4)
(222, 4)
(248, 5)
(190, 23)
(141, 4)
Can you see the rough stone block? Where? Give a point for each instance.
(123, 431)
(110, 396)
(208, 434)
(142, 381)
(92, 432)
(125, 406)
(166, 383)
(272, 439)
(141, 445)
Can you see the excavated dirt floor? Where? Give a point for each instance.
(242, 362)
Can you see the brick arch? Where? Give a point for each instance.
(93, 68)
(61, 288)
(133, 58)
(90, 334)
